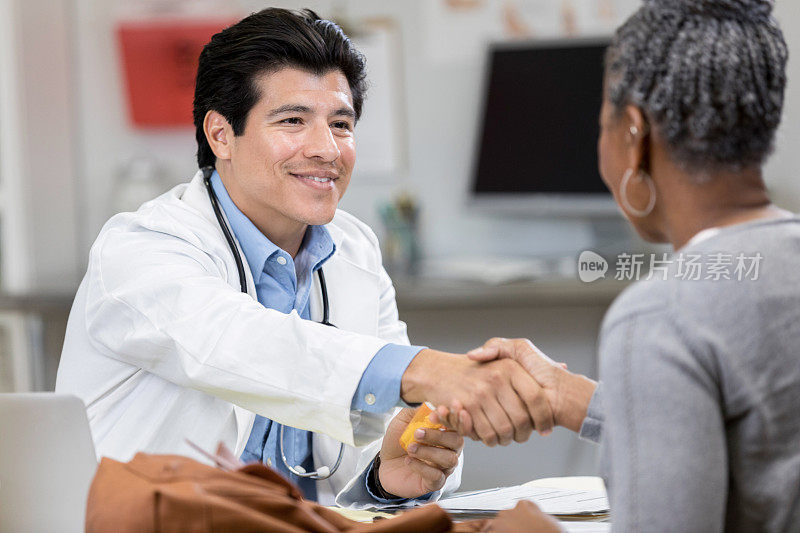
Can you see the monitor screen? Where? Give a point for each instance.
(540, 120)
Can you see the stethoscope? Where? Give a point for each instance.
(323, 472)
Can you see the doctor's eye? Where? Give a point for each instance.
(342, 125)
(294, 121)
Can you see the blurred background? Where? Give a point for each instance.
(476, 166)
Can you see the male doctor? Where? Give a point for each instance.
(170, 339)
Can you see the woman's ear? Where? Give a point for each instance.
(219, 134)
(638, 137)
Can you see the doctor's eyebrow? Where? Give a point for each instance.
(298, 108)
(344, 112)
(289, 108)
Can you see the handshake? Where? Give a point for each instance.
(500, 392)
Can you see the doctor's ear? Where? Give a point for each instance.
(219, 134)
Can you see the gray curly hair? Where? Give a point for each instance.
(709, 74)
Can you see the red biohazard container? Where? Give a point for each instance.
(159, 60)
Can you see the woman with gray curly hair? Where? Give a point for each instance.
(697, 408)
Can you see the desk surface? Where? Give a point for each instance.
(36, 302)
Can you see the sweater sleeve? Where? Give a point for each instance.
(592, 426)
(664, 441)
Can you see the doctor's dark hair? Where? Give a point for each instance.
(260, 44)
(709, 75)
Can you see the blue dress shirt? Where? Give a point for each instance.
(284, 283)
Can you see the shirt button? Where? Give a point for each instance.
(269, 461)
(281, 260)
(370, 399)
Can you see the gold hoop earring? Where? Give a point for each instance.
(623, 195)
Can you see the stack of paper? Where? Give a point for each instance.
(554, 501)
(583, 527)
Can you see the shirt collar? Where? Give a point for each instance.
(701, 236)
(317, 247)
(704, 235)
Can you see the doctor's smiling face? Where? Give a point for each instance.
(292, 163)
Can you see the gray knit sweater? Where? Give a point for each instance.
(699, 407)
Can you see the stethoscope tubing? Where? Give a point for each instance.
(316, 474)
(225, 230)
(324, 472)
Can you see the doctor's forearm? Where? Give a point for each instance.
(415, 381)
(430, 374)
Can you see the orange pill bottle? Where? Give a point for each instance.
(420, 421)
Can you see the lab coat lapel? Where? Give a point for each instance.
(196, 196)
(353, 296)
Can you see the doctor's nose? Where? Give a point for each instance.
(321, 144)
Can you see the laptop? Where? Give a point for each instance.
(47, 462)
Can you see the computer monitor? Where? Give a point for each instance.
(536, 150)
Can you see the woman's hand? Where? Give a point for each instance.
(525, 517)
(427, 464)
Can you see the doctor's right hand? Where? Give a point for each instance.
(503, 401)
(569, 394)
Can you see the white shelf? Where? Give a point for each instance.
(422, 293)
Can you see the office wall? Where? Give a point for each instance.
(441, 103)
(782, 169)
(38, 208)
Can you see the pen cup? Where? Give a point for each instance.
(420, 420)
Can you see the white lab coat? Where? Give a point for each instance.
(162, 346)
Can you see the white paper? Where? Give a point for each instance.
(550, 500)
(378, 132)
(586, 527)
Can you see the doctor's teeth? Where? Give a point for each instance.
(322, 180)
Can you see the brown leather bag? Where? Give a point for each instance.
(170, 493)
